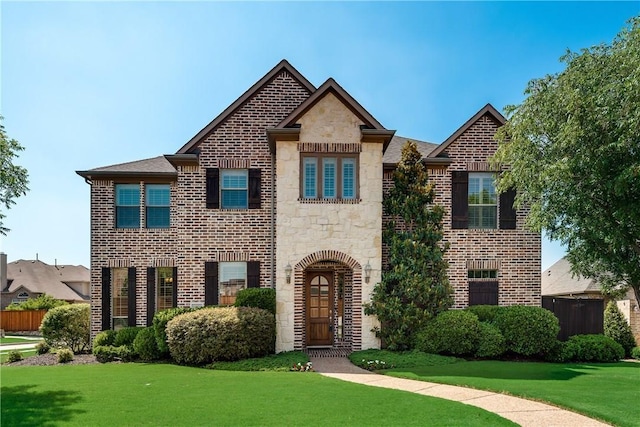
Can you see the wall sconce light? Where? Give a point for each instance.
(367, 272)
(287, 272)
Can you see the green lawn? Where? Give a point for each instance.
(16, 340)
(170, 395)
(608, 391)
(4, 355)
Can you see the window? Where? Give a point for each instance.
(233, 277)
(234, 189)
(483, 203)
(119, 298)
(127, 205)
(483, 274)
(164, 293)
(330, 177)
(157, 201)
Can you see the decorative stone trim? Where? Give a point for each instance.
(233, 163)
(329, 147)
(329, 201)
(437, 172)
(188, 168)
(119, 263)
(101, 183)
(481, 167)
(485, 264)
(163, 262)
(230, 256)
(327, 255)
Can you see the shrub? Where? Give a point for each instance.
(264, 298)
(67, 326)
(635, 352)
(528, 331)
(14, 356)
(110, 353)
(65, 355)
(221, 333)
(617, 328)
(485, 313)
(455, 332)
(107, 337)
(42, 347)
(491, 343)
(160, 321)
(42, 302)
(145, 345)
(126, 336)
(592, 348)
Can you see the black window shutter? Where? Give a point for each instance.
(151, 294)
(106, 298)
(483, 293)
(253, 274)
(210, 283)
(213, 188)
(131, 274)
(174, 303)
(254, 188)
(507, 212)
(459, 199)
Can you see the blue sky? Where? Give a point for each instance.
(88, 84)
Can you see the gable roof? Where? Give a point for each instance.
(156, 166)
(559, 280)
(275, 71)
(487, 109)
(394, 150)
(38, 277)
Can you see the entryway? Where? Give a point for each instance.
(319, 309)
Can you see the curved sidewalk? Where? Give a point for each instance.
(521, 411)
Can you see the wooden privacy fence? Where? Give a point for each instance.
(21, 320)
(576, 316)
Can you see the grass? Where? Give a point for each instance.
(280, 362)
(607, 391)
(405, 359)
(170, 395)
(4, 355)
(16, 340)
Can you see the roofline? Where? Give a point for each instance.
(383, 136)
(182, 159)
(331, 86)
(282, 65)
(484, 110)
(108, 174)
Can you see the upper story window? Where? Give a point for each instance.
(158, 197)
(233, 188)
(483, 203)
(329, 177)
(127, 205)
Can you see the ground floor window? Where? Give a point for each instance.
(233, 278)
(483, 287)
(119, 298)
(164, 293)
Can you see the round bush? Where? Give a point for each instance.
(593, 348)
(454, 332)
(617, 328)
(67, 326)
(491, 343)
(110, 353)
(485, 313)
(65, 355)
(107, 337)
(264, 298)
(145, 346)
(527, 330)
(125, 336)
(221, 333)
(14, 356)
(160, 320)
(42, 347)
(635, 352)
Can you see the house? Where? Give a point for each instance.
(284, 189)
(25, 279)
(559, 284)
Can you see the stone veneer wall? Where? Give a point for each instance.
(198, 234)
(514, 253)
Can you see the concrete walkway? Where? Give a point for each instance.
(521, 411)
(20, 346)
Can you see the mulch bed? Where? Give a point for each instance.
(52, 359)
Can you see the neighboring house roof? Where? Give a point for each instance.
(38, 277)
(283, 65)
(394, 150)
(559, 280)
(487, 109)
(156, 166)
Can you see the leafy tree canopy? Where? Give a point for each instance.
(573, 147)
(13, 178)
(414, 286)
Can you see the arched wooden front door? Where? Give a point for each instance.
(319, 309)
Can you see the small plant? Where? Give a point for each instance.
(14, 356)
(302, 367)
(42, 347)
(107, 337)
(145, 345)
(65, 355)
(635, 353)
(374, 365)
(109, 353)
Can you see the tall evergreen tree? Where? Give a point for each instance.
(414, 286)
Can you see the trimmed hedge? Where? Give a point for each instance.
(485, 313)
(592, 348)
(635, 352)
(126, 336)
(107, 337)
(221, 334)
(617, 328)
(67, 326)
(264, 298)
(110, 353)
(65, 355)
(160, 321)
(528, 330)
(491, 343)
(145, 345)
(455, 332)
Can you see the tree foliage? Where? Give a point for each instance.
(573, 146)
(414, 286)
(42, 302)
(617, 328)
(13, 178)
